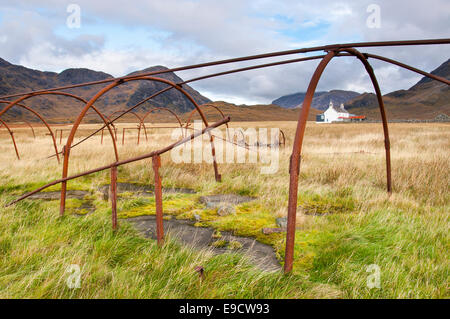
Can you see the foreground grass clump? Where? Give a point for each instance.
(37, 248)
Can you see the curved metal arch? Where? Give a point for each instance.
(188, 121)
(42, 120)
(12, 137)
(283, 138)
(294, 168)
(387, 144)
(140, 119)
(90, 104)
(155, 108)
(110, 122)
(31, 127)
(24, 97)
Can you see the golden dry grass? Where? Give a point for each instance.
(339, 161)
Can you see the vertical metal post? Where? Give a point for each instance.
(139, 134)
(294, 164)
(101, 142)
(123, 136)
(113, 196)
(62, 203)
(156, 162)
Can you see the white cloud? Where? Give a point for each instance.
(174, 33)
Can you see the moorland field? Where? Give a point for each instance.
(346, 221)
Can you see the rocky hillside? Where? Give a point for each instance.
(17, 79)
(320, 101)
(425, 100)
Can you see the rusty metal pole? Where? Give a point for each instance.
(101, 142)
(62, 203)
(387, 143)
(113, 196)
(294, 167)
(139, 134)
(60, 136)
(31, 127)
(11, 133)
(123, 136)
(156, 163)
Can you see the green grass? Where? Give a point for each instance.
(331, 257)
(37, 247)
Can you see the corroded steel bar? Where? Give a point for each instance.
(130, 128)
(408, 67)
(62, 202)
(102, 92)
(31, 127)
(387, 144)
(294, 167)
(24, 97)
(283, 139)
(127, 161)
(156, 163)
(253, 57)
(140, 119)
(11, 133)
(42, 120)
(164, 109)
(113, 196)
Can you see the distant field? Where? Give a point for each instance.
(342, 175)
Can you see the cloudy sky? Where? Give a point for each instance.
(119, 37)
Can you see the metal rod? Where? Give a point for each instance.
(127, 161)
(294, 167)
(156, 162)
(114, 196)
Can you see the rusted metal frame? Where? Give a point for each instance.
(121, 115)
(22, 98)
(165, 109)
(129, 128)
(156, 163)
(60, 131)
(123, 162)
(188, 121)
(31, 127)
(42, 120)
(294, 167)
(141, 123)
(283, 138)
(90, 104)
(201, 78)
(226, 140)
(113, 196)
(252, 57)
(376, 87)
(11, 133)
(103, 127)
(408, 67)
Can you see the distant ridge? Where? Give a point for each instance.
(17, 79)
(320, 101)
(425, 100)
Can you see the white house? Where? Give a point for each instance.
(336, 114)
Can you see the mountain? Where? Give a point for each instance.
(253, 113)
(425, 100)
(18, 79)
(320, 101)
